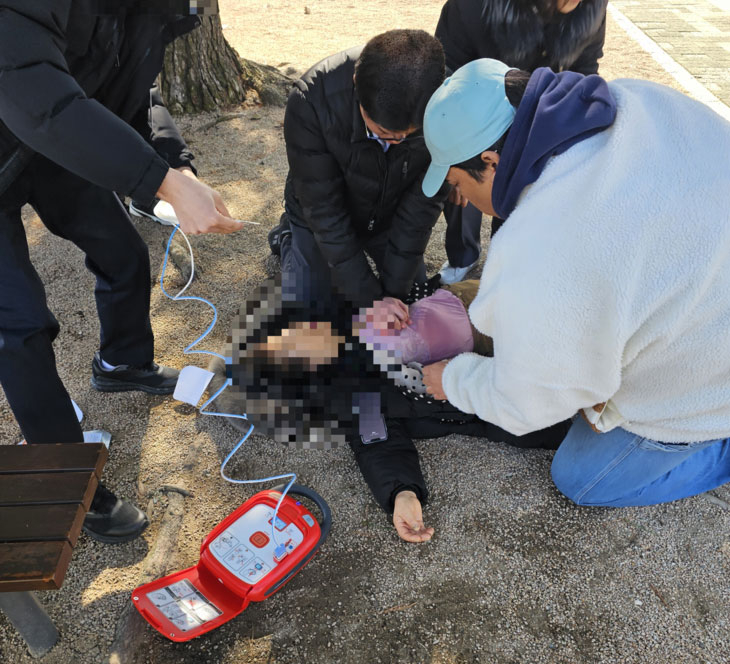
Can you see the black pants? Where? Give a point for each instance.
(463, 227)
(95, 221)
(302, 260)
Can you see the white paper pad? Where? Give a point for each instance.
(191, 384)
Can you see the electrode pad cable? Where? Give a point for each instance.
(180, 297)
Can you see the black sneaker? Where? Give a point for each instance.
(276, 234)
(112, 520)
(150, 378)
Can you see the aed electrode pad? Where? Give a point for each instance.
(183, 605)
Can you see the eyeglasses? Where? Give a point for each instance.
(396, 140)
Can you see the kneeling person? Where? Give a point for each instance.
(356, 161)
(607, 290)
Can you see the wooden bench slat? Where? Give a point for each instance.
(66, 457)
(48, 488)
(45, 492)
(33, 566)
(41, 523)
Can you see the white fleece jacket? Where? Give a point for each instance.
(610, 282)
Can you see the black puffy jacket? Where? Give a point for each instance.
(515, 33)
(71, 80)
(344, 188)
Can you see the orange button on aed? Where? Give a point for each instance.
(259, 539)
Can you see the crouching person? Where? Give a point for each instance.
(72, 75)
(607, 291)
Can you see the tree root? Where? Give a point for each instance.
(132, 634)
(218, 120)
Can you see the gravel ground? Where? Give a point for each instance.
(514, 574)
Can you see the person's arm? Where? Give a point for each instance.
(408, 517)
(391, 466)
(408, 236)
(155, 123)
(587, 62)
(558, 343)
(319, 186)
(46, 109)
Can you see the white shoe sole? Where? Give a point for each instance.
(452, 275)
(163, 213)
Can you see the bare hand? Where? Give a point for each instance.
(388, 314)
(408, 518)
(433, 375)
(457, 198)
(186, 170)
(199, 208)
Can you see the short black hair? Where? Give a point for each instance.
(395, 76)
(515, 84)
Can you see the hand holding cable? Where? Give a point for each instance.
(199, 208)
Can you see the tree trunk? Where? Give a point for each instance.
(203, 72)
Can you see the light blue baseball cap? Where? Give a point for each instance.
(465, 116)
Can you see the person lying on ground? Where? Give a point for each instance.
(320, 374)
(607, 291)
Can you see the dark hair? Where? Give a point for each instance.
(288, 400)
(547, 9)
(515, 84)
(395, 76)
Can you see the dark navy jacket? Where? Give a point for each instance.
(517, 34)
(71, 80)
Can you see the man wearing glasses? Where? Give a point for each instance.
(356, 160)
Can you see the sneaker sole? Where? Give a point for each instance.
(141, 213)
(110, 385)
(456, 281)
(120, 539)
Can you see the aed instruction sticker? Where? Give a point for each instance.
(184, 605)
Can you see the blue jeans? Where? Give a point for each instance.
(618, 468)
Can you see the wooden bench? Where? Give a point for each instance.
(45, 492)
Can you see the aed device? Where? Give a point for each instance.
(239, 563)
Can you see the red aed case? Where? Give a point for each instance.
(239, 563)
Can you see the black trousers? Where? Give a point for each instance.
(96, 222)
(463, 227)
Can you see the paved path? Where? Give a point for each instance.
(695, 35)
